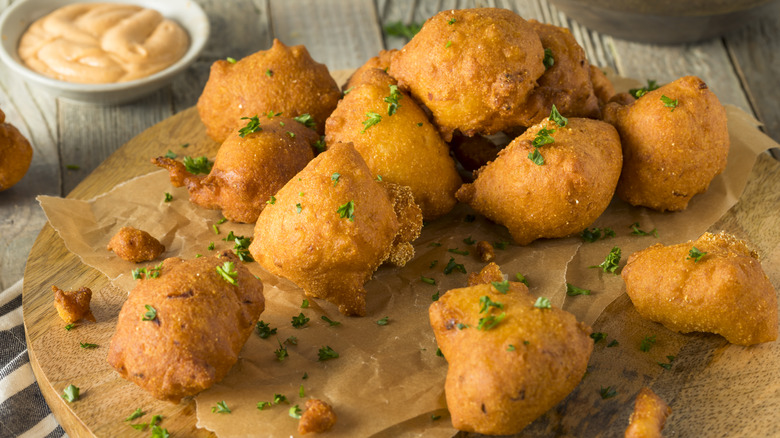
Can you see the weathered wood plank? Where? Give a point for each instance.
(755, 51)
(343, 35)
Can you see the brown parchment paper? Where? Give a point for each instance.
(387, 380)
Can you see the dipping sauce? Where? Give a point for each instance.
(102, 43)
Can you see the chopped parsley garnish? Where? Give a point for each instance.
(485, 303)
(452, 266)
(298, 208)
(330, 321)
(326, 353)
(428, 280)
(501, 286)
(291, 134)
(556, 117)
(228, 272)
(490, 321)
(291, 340)
(611, 262)
(170, 154)
(185, 145)
(252, 126)
(639, 92)
(542, 303)
(669, 103)
(279, 399)
(647, 343)
(136, 414)
(69, 326)
(262, 405)
(319, 145)
(271, 200)
(548, 60)
(434, 244)
(435, 297)
(469, 241)
(198, 165)
(215, 228)
(667, 366)
(457, 251)
(461, 326)
(299, 321)
(150, 315)
(447, 46)
(501, 245)
(573, 291)
(211, 246)
(521, 278)
(231, 60)
(347, 211)
(301, 392)
(695, 255)
(439, 353)
(399, 29)
(607, 392)
(264, 329)
(295, 411)
(543, 137)
(220, 408)
(335, 178)
(613, 343)
(592, 235)
(269, 72)
(272, 114)
(73, 167)
(510, 347)
(451, 21)
(382, 321)
(147, 272)
(598, 336)
(306, 120)
(168, 197)
(536, 157)
(88, 346)
(305, 304)
(392, 100)
(373, 119)
(71, 393)
(281, 352)
(637, 232)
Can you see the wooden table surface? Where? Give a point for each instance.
(70, 139)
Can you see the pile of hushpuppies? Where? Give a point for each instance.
(339, 182)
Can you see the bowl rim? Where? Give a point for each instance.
(198, 31)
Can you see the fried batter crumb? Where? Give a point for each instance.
(317, 417)
(485, 251)
(491, 272)
(649, 416)
(73, 305)
(135, 245)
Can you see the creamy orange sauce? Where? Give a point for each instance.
(102, 43)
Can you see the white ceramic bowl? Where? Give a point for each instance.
(16, 18)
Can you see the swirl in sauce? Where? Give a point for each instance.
(102, 43)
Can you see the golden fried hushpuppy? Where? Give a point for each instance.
(552, 190)
(180, 330)
(135, 245)
(397, 142)
(73, 305)
(511, 356)
(675, 141)
(250, 166)
(281, 80)
(649, 416)
(317, 417)
(713, 284)
(332, 225)
(380, 61)
(602, 86)
(566, 81)
(15, 154)
(473, 68)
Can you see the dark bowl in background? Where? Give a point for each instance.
(665, 21)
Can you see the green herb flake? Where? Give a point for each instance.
(305, 304)
(549, 59)
(435, 297)
(156, 419)
(435, 417)
(382, 321)
(326, 353)
(647, 343)
(170, 154)
(490, 321)
(542, 303)
(434, 244)
(271, 200)
(291, 134)
(607, 392)
(392, 100)
(136, 414)
(335, 178)
(71, 393)
(439, 353)
(611, 262)
(319, 145)
(428, 280)
(448, 45)
(88, 346)
(198, 165)
(669, 103)
(150, 315)
(451, 21)
(556, 117)
(433, 263)
(252, 126)
(373, 119)
(592, 235)
(613, 343)
(220, 408)
(269, 72)
(452, 266)
(305, 376)
(469, 241)
(301, 392)
(502, 245)
(695, 255)
(231, 60)
(279, 399)
(215, 228)
(263, 404)
(639, 92)
(510, 347)
(306, 120)
(536, 157)
(521, 278)
(295, 411)
(331, 322)
(73, 167)
(485, 304)
(573, 291)
(461, 326)
(637, 232)
(298, 208)
(543, 137)
(168, 197)
(264, 329)
(281, 352)
(598, 336)
(458, 251)
(228, 272)
(69, 327)
(291, 340)
(299, 321)
(347, 211)
(501, 286)
(399, 29)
